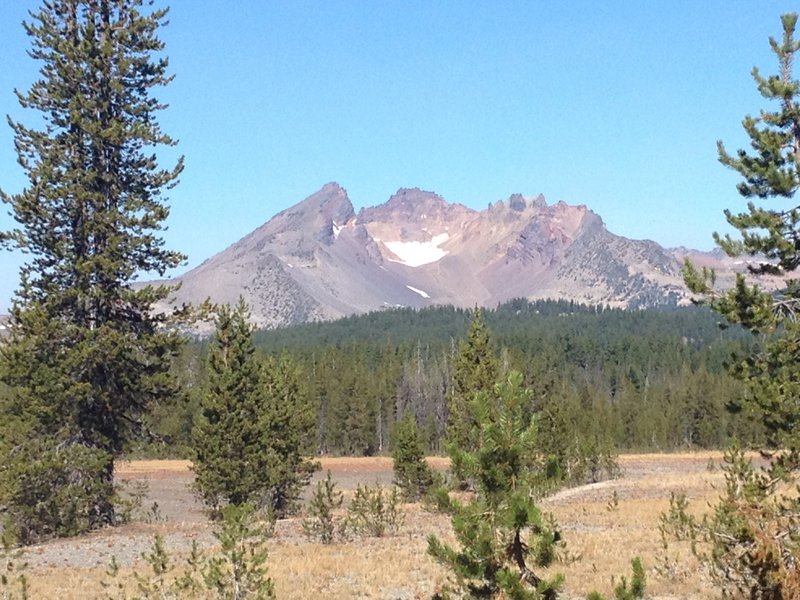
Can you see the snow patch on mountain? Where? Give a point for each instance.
(416, 254)
(420, 292)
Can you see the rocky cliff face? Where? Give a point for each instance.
(318, 260)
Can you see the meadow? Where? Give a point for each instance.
(604, 526)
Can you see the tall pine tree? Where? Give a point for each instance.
(290, 419)
(253, 427)
(475, 371)
(86, 357)
(230, 438)
(754, 534)
(770, 233)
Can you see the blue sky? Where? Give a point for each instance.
(612, 104)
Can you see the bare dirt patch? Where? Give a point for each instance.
(606, 533)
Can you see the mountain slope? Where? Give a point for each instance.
(318, 260)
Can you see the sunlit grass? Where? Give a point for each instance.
(606, 530)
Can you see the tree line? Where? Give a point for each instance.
(644, 380)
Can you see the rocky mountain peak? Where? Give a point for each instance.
(519, 203)
(413, 205)
(330, 203)
(317, 260)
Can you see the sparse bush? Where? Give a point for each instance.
(321, 522)
(237, 572)
(625, 590)
(374, 512)
(749, 544)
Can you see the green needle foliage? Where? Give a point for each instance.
(230, 450)
(290, 422)
(502, 535)
(247, 440)
(476, 369)
(321, 521)
(624, 590)
(751, 542)
(373, 512)
(239, 571)
(87, 357)
(412, 475)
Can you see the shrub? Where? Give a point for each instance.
(321, 522)
(374, 512)
(237, 572)
(13, 581)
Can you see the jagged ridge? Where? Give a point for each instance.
(318, 260)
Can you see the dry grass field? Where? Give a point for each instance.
(606, 524)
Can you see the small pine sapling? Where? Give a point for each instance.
(502, 535)
(624, 590)
(239, 571)
(321, 523)
(374, 512)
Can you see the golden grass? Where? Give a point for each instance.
(605, 535)
(126, 468)
(333, 463)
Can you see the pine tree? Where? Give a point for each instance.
(231, 452)
(772, 234)
(754, 534)
(290, 423)
(475, 370)
(86, 357)
(253, 426)
(239, 572)
(325, 501)
(411, 473)
(502, 535)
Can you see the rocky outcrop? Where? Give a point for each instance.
(318, 260)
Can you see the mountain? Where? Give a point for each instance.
(319, 260)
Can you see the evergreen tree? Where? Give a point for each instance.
(86, 357)
(290, 430)
(411, 473)
(253, 426)
(502, 535)
(325, 501)
(231, 449)
(475, 370)
(771, 172)
(754, 534)
(239, 571)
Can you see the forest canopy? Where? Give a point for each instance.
(651, 380)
